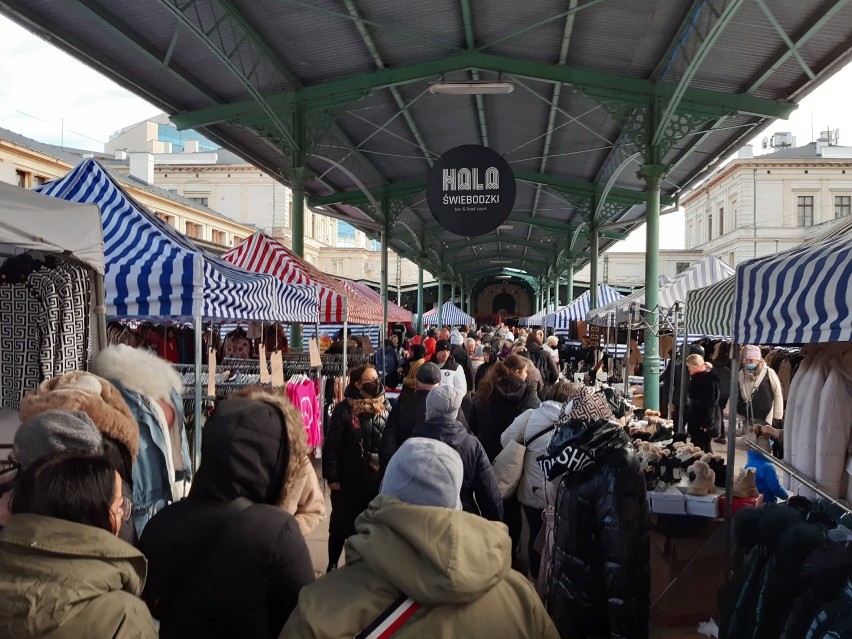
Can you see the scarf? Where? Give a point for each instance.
(365, 406)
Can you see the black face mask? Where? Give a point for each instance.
(372, 389)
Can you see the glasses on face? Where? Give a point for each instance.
(125, 509)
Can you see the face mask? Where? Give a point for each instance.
(371, 388)
(751, 367)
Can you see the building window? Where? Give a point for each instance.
(200, 200)
(709, 227)
(168, 219)
(680, 267)
(23, 179)
(237, 240)
(219, 237)
(195, 231)
(805, 210)
(842, 206)
(721, 220)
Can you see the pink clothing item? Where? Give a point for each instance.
(303, 395)
(751, 352)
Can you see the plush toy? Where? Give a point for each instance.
(744, 485)
(702, 479)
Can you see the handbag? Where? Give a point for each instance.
(508, 466)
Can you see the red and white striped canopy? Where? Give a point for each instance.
(263, 254)
(395, 313)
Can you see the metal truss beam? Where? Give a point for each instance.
(506, 241)
(602, 86)
(497, 256)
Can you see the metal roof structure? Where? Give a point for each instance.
(333, 95)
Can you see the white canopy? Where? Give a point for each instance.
(36, 222)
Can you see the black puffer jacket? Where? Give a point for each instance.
(353, 444)
(225, 562)
(479, 492)
(704, 413)
(510, 397)
(601, 558)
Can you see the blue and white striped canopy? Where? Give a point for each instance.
(579, 308)
(451, 315)
(538, 318)
(800, 296)
(153, 271)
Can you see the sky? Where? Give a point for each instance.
(47, 95)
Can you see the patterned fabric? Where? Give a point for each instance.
(45, 329)
(585, 406)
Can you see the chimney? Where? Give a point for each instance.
(142, 167)
(746, 152)
(190, 146)
(120, 155)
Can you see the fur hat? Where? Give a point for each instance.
(92, 395)
(425, 472)
(55, 431)
(139, 371)
(443, 401)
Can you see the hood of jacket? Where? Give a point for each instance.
(580, 445)
(139, 371)
(294, 427)
(446, 429)
(244, 453)
(93, 395)
(54, 568)
(433, 555)
(510, 390)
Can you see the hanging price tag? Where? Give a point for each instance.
(264, 367)
(211, 372)
(277, 362)
(313, 349)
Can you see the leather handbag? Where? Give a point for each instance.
(508, 467)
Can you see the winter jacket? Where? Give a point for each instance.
(526, 426)
(600, 566)
(453, 375)
(461, 357)
(765, 478)
(304, 498)
(162, 469)
(544, 363)
(833, 621)
(352, 445)
(482, 371)
(228, 561)
(456, 565)
(802, 407)
(833, 425)
(409, 411)
(704, 413)
(764, 391)
(63, 579)
(388, 360)
(479, 492)
(488, 419)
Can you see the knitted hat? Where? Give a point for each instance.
(55, 431)
(425, 472)
(751, 352)
(442, 345)
(586, 406)
(428, 373)
(443, 401)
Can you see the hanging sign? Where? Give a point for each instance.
(470, 190)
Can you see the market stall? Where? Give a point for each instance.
(51, 289)
(448, 315)
(578, 310)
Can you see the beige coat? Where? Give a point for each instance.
(59, 579)
(455, 564)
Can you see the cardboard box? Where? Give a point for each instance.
(669, 502)
(703, 505)
(739, 502)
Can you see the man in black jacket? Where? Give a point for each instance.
(227, 561)
(479, 492)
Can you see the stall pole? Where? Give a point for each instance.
(384, 290)
(345, 366)
(674, 358)
(593, 266)
(198, 359)
(569, 293)
(732, 437)
(100, 311)
(440, 317)
(684, 381)
(653, 177)
(629, 353)
(419, 299)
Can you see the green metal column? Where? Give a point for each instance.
(440, 302)
(461, 297)
(453, 292)
(569, 293)
(419, 299)
(593, 266)
(556, 291)
(384, 281)
(653, 174)
(297, 226)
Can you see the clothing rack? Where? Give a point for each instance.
(802, 479)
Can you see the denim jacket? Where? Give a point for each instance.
(152, 486)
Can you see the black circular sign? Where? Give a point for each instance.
(470, 190)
